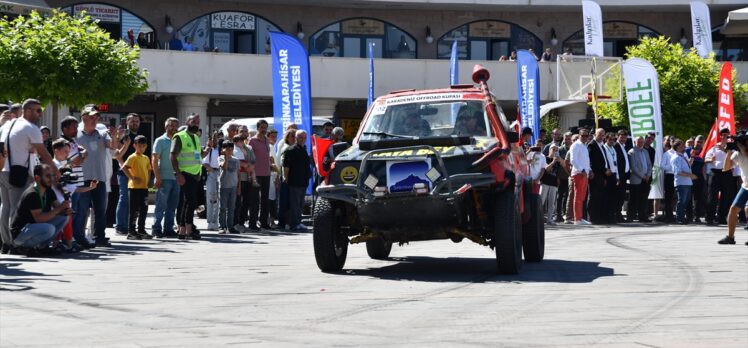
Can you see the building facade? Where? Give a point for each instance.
(210, 57)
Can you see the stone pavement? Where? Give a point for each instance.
(621, 286)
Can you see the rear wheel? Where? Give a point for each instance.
(378, 249)
(533, 232)
(330, 244)
(507, 234)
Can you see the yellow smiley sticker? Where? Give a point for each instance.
(349, 174)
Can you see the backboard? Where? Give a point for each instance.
(579, 77)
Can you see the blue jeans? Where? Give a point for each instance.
(211, 197)
(228, 202)
(167, 198)
(684, 198)
(123, 203)
(95, 198)
(39, 235)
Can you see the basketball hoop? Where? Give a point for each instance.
(599, 97)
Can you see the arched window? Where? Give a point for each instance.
(225, 31)
(487, 40)
(351, 37)
(617, 35)
(728, 48)
(117, 21)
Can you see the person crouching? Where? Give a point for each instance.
(40, 217)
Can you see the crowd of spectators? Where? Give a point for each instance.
(60, 195)
(605, 178)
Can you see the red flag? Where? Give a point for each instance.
(725, 111)
(711, 139)
(319, 149)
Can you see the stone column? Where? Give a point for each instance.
(189, 104)
(571, 114)
(323, 106)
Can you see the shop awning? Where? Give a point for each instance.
(736, 23)
(546, 108)
(24, 7)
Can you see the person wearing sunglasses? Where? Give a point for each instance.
(22, 143)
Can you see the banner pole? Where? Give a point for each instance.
(594, 90)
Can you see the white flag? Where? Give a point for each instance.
(593, 28)
(645, 115)
(702, 28)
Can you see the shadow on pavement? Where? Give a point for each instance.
(16, 279)
(482, 270)
(228, 238)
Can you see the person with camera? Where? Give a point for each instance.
(40, 217)
(133, 125)
(550, 181)
(210, 165)
(737, 154)
(717, 181)
(71, 181)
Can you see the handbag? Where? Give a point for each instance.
(18, 175)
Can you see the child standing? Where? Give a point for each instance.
(228, 181)
(137, 167)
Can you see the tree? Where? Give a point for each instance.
(66, 60)
(688, 88)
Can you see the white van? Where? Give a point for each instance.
(251, 123)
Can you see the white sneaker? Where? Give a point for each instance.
(582, 222)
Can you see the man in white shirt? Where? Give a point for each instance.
(580, 171)
(23, 142)
(667, 168)
(718, 181)
(536, 160)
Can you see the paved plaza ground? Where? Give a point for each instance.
(620, 286)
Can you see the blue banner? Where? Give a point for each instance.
(292, 92)
(528, 87)
(454, 72)
(371, 74)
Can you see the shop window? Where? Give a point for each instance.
(617, 35)
(487, 40)
(118, 22)
(351, 38)
(727, 48)
(225, 31)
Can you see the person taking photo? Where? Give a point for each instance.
(737, 155)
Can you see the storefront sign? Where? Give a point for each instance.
(103, 13)
(490, 29)
(620, 30)
(232, 20)
(363, 27)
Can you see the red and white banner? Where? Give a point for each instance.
(726, 112)
(725, 108)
